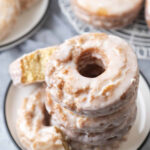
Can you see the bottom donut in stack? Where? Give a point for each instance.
(100, 132)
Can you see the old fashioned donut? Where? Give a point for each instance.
(25, 4)
(102, 138)
(94, 74)
(77, 123)
(107, 13)
(147, 12)
(32, 127)
(9, 12)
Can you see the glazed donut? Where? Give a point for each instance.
(94, 74)
(25, 4)
(32, 127)
(102, 138)
(9, 13)
(147, 12)
(76, 123)
(107, 14)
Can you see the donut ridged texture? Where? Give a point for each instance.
(83, 124)
(93, 97)
(107, 14)
(102, 138)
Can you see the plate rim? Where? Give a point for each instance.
(19, 40)
(14, 141)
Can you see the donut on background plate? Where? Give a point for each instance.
(9, 12)
(147, 12)
(27, 3)
(107, 14)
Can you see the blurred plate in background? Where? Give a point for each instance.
(27, 24)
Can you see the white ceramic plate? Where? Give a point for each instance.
(27, 24)
(136, 138)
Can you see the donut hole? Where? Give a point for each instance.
(46, 120)
(90, 65)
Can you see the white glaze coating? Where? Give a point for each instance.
(25, 4)
(98, 96)
(110, 7)
(107, 14)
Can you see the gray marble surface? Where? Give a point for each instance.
(55, 30)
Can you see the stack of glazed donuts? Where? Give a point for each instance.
(110, 14)
(91, 91)
(92, 87)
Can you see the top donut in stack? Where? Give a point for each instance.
(93, 74)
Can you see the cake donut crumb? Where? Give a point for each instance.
(30, 68)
